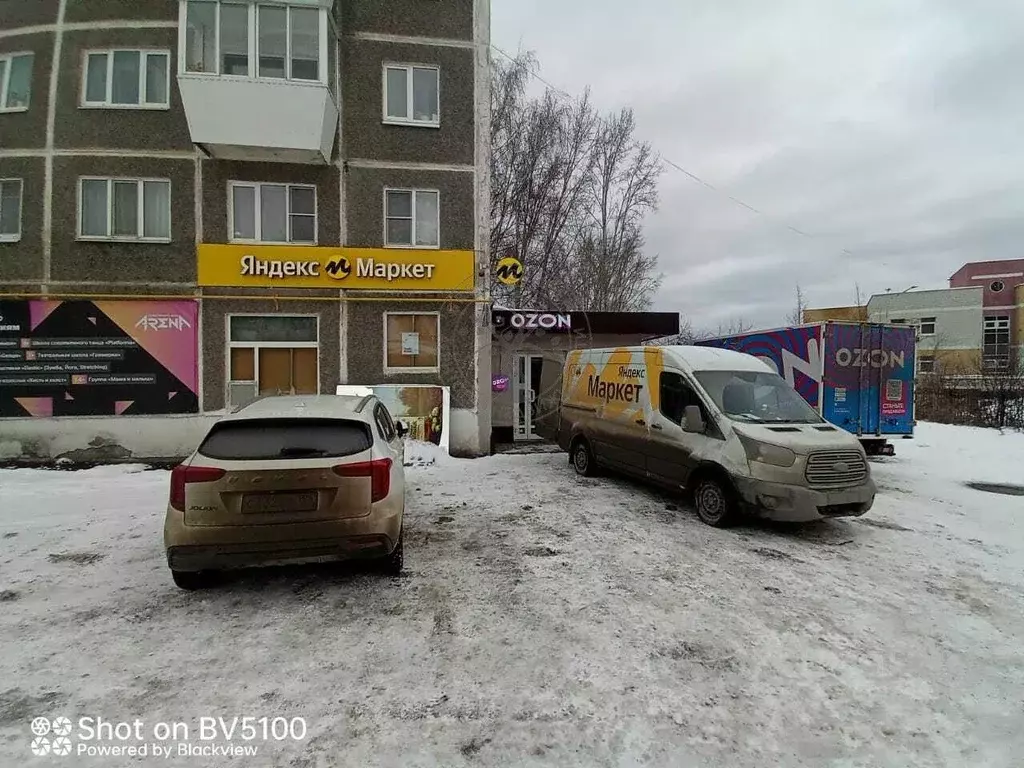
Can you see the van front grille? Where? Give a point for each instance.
(836, 469)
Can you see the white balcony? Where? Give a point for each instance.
(260, 120)
(257, 80)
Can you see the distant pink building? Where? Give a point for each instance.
(1002, 303)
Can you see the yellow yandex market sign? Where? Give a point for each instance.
(296, 266)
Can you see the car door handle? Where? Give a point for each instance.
(656, 426)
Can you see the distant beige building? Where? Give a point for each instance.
(853, 314)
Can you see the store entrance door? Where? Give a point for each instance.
(526, 375)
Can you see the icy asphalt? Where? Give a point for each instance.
(544, 620)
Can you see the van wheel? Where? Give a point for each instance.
(715, 503)
(582, 458)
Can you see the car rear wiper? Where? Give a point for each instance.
(299, 450)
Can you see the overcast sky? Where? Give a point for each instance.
(893, 129)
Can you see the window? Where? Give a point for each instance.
(996, 340)
(270, 439)
(412, 218)
(271, 355)
(124, 209)
(898, 321)
(384, 423)
(411, 342)
(926, 364)
(675, 396)
(927, 326)
(246, 40)
(273, 213)
(125, 79)
(412, 95)
(15, 81)
(10, 210)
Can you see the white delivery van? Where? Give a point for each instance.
(719, 424)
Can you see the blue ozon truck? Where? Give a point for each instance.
(859, 376)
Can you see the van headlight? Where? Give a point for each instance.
(767, 453)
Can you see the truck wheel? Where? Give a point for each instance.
(715, 503)
(582, 458)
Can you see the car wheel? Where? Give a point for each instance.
(582, 459)
(394, 562)
(191, 580)
(714, 502)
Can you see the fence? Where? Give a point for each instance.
(976, 401)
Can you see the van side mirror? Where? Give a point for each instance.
(401, 429)
(692, 420)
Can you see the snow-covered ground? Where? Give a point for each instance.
(543, 620)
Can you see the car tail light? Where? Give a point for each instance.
(182, 475)
(378, 470)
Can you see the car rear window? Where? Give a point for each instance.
(262, 439)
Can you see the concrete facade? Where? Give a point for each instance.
(1001, 283)
(203, 199)
(949, 323)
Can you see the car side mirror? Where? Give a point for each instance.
(692, 420)
(401, 429)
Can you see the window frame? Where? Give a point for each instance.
(391, 371)
(257, 186)
(1000, 328)
(698, 400)
(5, 81)
(409, 68)
(323, 56)
(413, 191)
(384, 424)
(110, 237)
(922, 322)
(257, 345)
(108, 103)
(15, 237)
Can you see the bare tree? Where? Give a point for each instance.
(569, 192)
(686, 335)
(797, 317)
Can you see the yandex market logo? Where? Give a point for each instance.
(337, 268)
(613, 390)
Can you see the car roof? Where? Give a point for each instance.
(306, 407)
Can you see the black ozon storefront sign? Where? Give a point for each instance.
(642, 324)
(533, 321)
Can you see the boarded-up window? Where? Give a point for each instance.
(272, 355)
(412, 341)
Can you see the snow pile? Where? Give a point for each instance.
(419, 453)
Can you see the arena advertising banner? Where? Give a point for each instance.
(98, 358)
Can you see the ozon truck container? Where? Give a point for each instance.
(858, 376)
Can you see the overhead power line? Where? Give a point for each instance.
(672, 164)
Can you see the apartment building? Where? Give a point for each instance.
(204, 201)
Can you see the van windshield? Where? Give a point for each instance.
(756, 397)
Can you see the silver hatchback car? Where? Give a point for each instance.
(289, 480)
